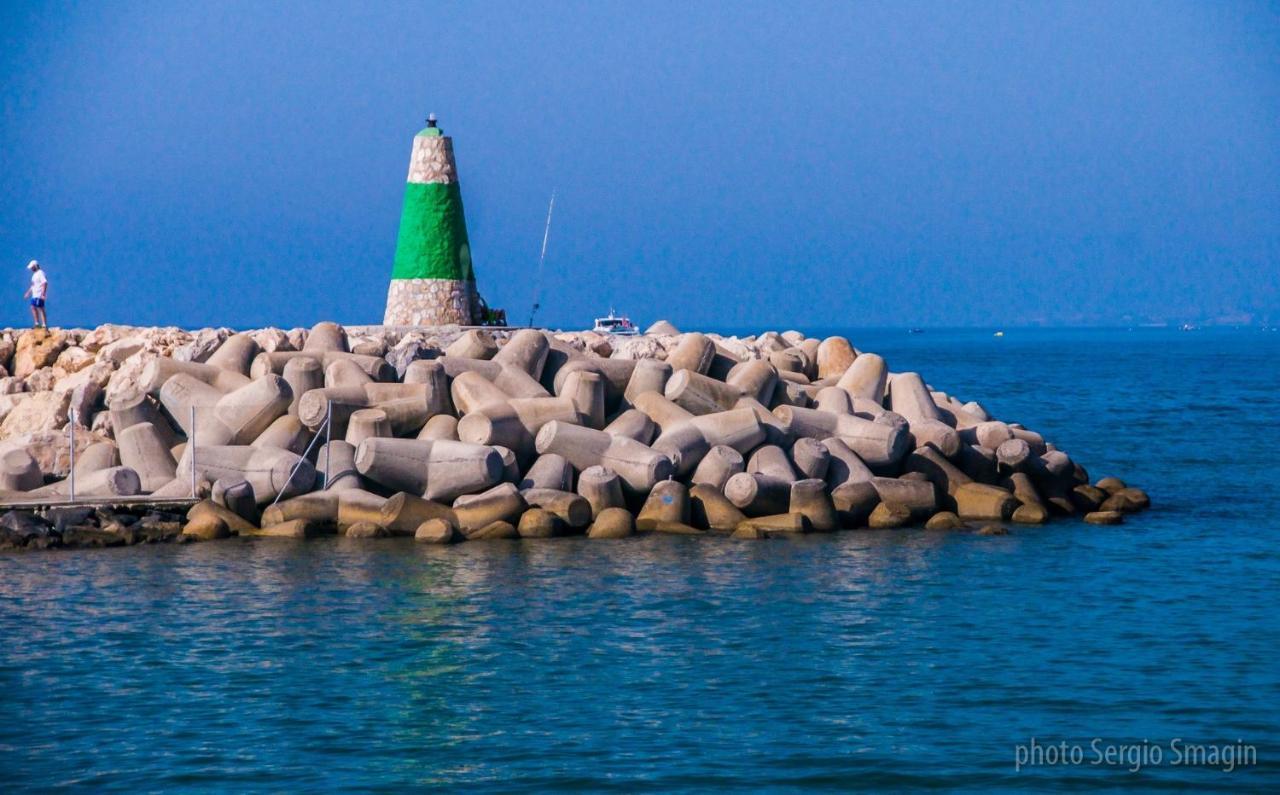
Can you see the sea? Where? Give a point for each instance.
(1139, 657)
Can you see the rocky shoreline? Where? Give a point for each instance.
(449, 434)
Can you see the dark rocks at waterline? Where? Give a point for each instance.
(82, 527)
(447, 435)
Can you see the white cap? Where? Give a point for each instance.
(32, 265)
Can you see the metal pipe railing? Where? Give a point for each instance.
(328, 433)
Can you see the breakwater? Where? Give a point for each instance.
(448, 434)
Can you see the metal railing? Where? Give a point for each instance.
(327, 429)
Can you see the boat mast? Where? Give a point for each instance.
(537, 285)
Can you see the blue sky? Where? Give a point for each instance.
(832, 165)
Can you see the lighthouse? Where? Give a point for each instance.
(432, 282)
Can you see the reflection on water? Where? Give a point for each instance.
(889, 659)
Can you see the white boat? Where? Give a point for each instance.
(614, 324)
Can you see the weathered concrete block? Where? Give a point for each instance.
(612, 523)
(549, 471)
(717, 466)
(341, 468)
(601, 488)
(633, 424)
(867, 378)
(810, 499)
(572, 509)
(834, 356)
(699, 394)
(811, 458)
(438, 470)
(639, 466)
(667, 502)
(367, 424)
(980, 501)
(250, 410)
(287, 433)
(143, 450)
(878, 444)
(502, 503)
(19, 472)
(271, 472)
(916, 496)
(709, 509)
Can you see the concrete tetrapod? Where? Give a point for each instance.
(441, 426)
(981, 501)
(756, 379)
(549, 471)
(142, 449)
(341, 468)
(917, 496)
(191, 403)
(649, 375)
(833, 400)
(345, 372)
(437, 470)
(717, 466)
(867, 377)
(113, 482)
(693, 352)
(431, 374)
(709, 509)
(638, 465)
(611, 523)
(835, 356)
(700, 394)
(287, 432)
(910, 397)
(879, 445)
(572, 509)
(134, 407)
(236, 353)
(586, 390)
(326, 336)
(810, 457)
(526, 350)
(475, 512)
(99, 455)
(844, 465)
(249, 410)
(19, 472)
(271, 472)
(473, 344)
(367, 424)
(633, 424)
(158, 371)
(302, 374)
(404, 513)
(519, 384)
(236, 496)
(854, 502)
(810, 499)
(601, 488)
(667, 504)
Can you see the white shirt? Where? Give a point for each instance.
(39, 284)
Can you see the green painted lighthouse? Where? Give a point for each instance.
(432, 282)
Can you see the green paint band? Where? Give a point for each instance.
(433, 234)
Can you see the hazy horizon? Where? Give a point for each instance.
(837, 166)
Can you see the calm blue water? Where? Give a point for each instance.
(893, 659)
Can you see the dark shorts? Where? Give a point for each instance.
(38, 303)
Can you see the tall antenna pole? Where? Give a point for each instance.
(546, 233)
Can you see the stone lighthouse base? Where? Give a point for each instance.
(430, 302)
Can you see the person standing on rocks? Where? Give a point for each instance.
(38, 290)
